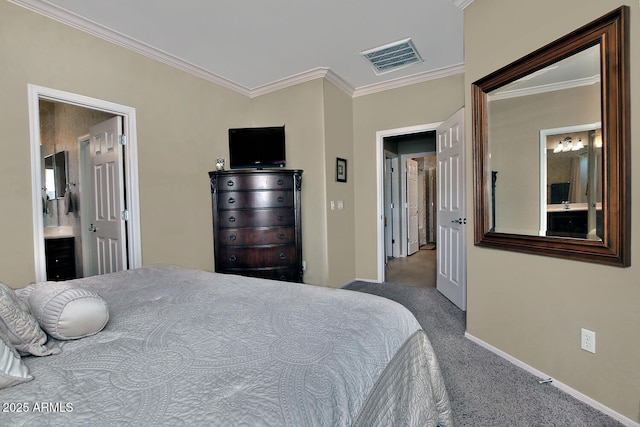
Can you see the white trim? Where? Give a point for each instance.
(551, 87)
(461, 4)
(64, 16)
(316, 73)
(35, 93)
(380, 135)
(409, 80)
(60, 14)
(569, 390)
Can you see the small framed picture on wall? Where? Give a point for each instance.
(341, 170)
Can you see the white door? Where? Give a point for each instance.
(413, 240)
(451, 279)
(107, 228)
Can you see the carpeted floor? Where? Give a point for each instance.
(485, 389)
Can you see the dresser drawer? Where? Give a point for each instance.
(255, 199)
(256, 236)
(255, 181)
(289, 274)
(256, 218)
(248, 257)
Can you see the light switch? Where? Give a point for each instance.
(340, 205)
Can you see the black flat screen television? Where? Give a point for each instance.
(259, 147)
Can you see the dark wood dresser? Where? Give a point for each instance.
(256, 223)
(60, 254)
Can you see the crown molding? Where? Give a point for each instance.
(76, 21)
(316, 73)
(461, 4)
(409, 80)
(536, 90)
(64, 16)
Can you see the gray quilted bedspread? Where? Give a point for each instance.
(188, 348)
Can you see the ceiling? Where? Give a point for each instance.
(254, 46)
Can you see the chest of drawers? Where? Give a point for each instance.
(256, 223)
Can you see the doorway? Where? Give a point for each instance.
(408, 206)
(41, 98)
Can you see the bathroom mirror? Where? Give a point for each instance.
(55, 174)
(579, 83)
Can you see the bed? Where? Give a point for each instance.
(188, 347)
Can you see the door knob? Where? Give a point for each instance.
(93, 228)
(460, 221)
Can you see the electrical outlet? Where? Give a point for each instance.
(588, 341)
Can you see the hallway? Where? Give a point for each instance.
(418, 270)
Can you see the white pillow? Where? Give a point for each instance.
(12, 370)
(66, 312)
(19, 327)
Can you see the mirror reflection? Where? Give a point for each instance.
(557, 97)
(55, 175)
(572, 184)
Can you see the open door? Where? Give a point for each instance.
(451, 279)
(107, 230)
(413, 238)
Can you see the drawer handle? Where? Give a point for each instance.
(280, 217)
(232, 219)
(233, 237)
(280, 199)
(231, 200)
(281, 236)
(233, 258)
(230, 183)
(282, 255)
(280, 181)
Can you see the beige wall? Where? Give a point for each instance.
(182, 127)
(429, 102)
(338, 110)
(300, 109)
(533, 307)
(318, 120)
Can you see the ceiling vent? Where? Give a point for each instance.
(392, 56)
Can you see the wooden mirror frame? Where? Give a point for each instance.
(611, 32)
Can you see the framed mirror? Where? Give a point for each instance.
(55, 174)
(551, 147)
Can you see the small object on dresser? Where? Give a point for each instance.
(220, 164)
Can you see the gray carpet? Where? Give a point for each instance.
(484, 389)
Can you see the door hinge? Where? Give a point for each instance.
(122, 139)
(124, 215)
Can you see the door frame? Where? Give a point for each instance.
(130, 151)
(380, 136)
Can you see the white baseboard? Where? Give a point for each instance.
(570, 391)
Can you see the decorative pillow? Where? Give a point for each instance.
(66, 312)
(19, 327)
(12, 370)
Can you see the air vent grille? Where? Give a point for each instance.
(392, 56)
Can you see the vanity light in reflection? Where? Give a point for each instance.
(567, 144)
